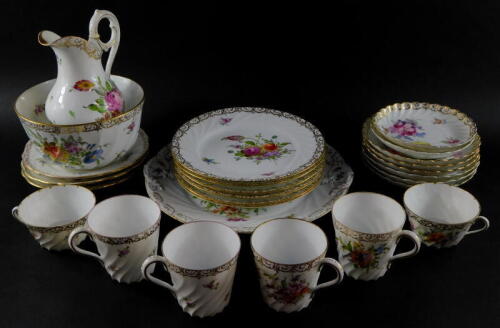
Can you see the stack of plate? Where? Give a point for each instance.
(41, 172)
(411, 143)
(250, 157)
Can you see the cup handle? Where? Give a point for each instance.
(484, 227)
(114, 40)
(416, 248)
(15, 213)
(76, 248)
(337, 267)
(148, 276)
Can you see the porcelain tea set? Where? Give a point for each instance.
(230, 171)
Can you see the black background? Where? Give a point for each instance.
(333, 66)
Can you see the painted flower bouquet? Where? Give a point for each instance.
(258, 148)
(109, 101)
(72, 150)
(406, 129)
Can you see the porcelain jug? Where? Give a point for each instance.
(83, 91)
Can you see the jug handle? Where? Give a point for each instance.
(113, 41)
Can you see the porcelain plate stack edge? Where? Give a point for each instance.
(247, 156)
(243, 166)
(411, 143)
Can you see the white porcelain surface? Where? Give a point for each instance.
(404, 182)
(247, 143)
(125, 230)
(423, 124)
(51, 213)
(83, 91)
(37, 162)
(289, 254)
(85, 146)
(442, 214)
(368, 227)
(201, 260)
(430, 176)
(163, 188)
(408, 155)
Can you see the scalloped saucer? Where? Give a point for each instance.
(40, 169)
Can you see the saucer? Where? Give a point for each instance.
(163, 188)
(424, 127)
(38, 169)
(92, 186)
(406, 183)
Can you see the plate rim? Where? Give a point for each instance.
(414, 106)
(176, 147)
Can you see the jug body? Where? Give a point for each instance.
(84, 91)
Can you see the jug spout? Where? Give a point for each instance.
(48, 38)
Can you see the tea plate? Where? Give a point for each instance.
(420, 157)
(424, 127)
(247, 144)
(402, 182)
(436, 177)
(92, 186)
(163, 188)
(37, 163)
(418, 169)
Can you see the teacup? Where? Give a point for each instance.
(289, 255)
(50, 214)
(442, 214)
(201, 259)
(125, 230)
(368, 227)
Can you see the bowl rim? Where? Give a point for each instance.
(116, 118)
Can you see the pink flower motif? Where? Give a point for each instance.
(39, 109)
(234, 138)
(251, 151)
(225, 120)
(236, 219)
(131, 126)
(406, 129)
(114, 100)
(451, 141)
(72, 148)
(403, 128)
(271, 153)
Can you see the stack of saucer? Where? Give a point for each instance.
(41, 172)
(249, 157)
(411, 143)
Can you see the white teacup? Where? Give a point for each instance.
(125, 230)
(50, 214)
(201, 258)
(368, 227)
(289, 254)
(442, 214)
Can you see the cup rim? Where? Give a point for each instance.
(129, 238)
(290, 266)
(198, 272)
(79, 125)
(394, 231)
(437, 222)
(60, 227)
